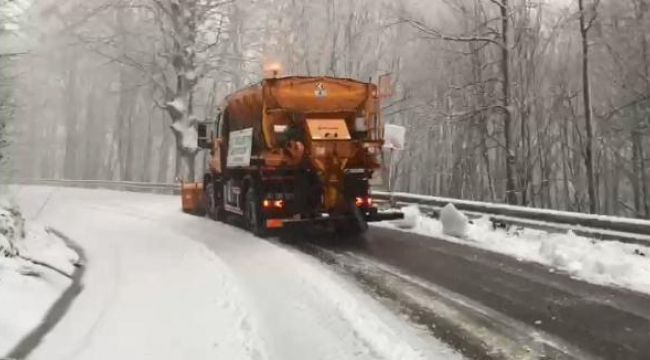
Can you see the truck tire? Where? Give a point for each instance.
(214, 207)
(210, 201)
(253, 214)
(355, 226)
(359, 224)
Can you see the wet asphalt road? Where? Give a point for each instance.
(606, 322)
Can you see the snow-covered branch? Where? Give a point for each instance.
(435, 34)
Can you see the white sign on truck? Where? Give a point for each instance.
(239, 148)
(394, 137)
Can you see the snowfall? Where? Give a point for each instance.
(160, 284)
(609, 263)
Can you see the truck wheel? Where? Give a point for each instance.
(210, 200)
(253, 214)
(359, 224)
(214, 208)
(351, 228)
(355, 226)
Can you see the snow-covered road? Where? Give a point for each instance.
(161, 284)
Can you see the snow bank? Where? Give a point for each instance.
(497, 206)
(608, 263)
(27, 290)
(416, 222)
(454, 222)
(41, 246)
(11, 227)
(26, 293)
(149, 292)
(411, 218)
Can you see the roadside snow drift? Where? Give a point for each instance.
(454, 222)
(12, 227)
(600, 262)
(28, 290)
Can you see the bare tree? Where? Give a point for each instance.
(494, 106)
(6, 98)
(587, 18)
(501, 40)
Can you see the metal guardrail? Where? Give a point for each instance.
(165, 188)
(622, 229)
(601, 227)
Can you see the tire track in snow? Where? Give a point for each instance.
(363, 332)
(285, 303)
(602, 321)
(165, 296)
(108, 301)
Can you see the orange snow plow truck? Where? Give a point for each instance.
(291, 151)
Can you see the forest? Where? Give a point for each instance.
(541, 103)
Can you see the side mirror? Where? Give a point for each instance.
(203, 142)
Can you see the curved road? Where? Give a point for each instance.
(289, 310)
(161, 284)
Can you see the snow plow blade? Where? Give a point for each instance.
(193, 201)
(372, 217)
(385, 216)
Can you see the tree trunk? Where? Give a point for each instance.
(511, 195)
(586, 96)
(636, 171)
(145, 174)
(642, 10)
(179, 107)
(190, 159)
(544, 171)
(566, 160)
(92, 133)
(477, 65)
(178, 157)
(71, 135)
(163, 160)
(644, 183)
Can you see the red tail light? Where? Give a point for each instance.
(360, 201)
(267, 204)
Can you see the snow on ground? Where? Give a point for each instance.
(495, 206)
(161, 284)
(600, 262)
(27, 290)
(44, 247)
